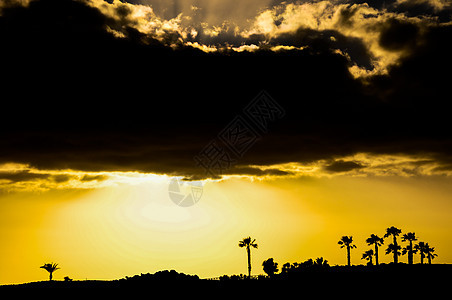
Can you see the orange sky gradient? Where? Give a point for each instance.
(129, 228)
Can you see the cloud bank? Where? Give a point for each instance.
(110, 86)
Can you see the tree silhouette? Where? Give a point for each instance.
(429, 252)
(395, 250)
(347, 241)
(248, 243)
(377, 241)
(321, 262)
(394, 247)
(421, 248)
(270, 267)
(410, 237)
(368, 255)
(52, 267)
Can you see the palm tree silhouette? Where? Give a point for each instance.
(368, 255)
(347, 241)
(410, 237)
(248, 243)
(395, 247)
(377, 241)
(421, 248)
(52, 267)
(429, 251)
(395, 250)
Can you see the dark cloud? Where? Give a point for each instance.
(328, 40)
(21, 176)
(398, 35)
(79, 97)
(60, 178)
(343, 166)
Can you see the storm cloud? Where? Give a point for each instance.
(117, 86)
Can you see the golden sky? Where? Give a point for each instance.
(131, 227)
(334, 117)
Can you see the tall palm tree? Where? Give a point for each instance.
(377, 241)
(429, 252)
(421, 248)
(410, 237)
(50, 268)
(347, 241)
(368, 255)
(394, 249)
(248, 243)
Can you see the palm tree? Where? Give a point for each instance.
(368, 255)
(429, 251)
(395, 250)
(347, 241)
(410, 237)
(421, 248)
(377, 241)
(248, 243)
(395, 247)
(50, 268)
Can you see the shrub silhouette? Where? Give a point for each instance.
(270, 267)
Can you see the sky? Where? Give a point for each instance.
(298, 121)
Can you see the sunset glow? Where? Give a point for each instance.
(140, 136)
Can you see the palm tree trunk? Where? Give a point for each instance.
(396, 258)
(429, 259)
(376, 254)
(348, 256)
(50, 276)
(410, 254)
(248, 252)
(422, 258)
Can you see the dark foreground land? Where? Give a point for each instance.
(357, 282)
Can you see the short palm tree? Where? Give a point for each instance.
(410, 237)
(368, 255)
(429, 252)
(377, 241)
(52, 267)
(248, 243)
(421, 248)
(395, 250)
(347, 241)
(395, 247)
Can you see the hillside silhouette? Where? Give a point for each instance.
(302, 278)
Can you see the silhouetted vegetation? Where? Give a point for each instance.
(368, 255)
(161, 276)
(52, 267)
(410, 237)
(377, 241)
(313, 273)
(248, 243)
(394, 247)
(347, 241)
(270, 267)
